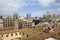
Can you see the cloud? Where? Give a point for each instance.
(11, 6)
(56, 4)
(7, 6)
(57, 11)
(31, 2)
(38, 13)
(46, 2)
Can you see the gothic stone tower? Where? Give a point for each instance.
(15, 17)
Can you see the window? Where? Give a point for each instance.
(59, 33)
(6, 35)
(11, 34)
(19, 32)
(15, 33)
(22, 33)
(52, 27)
(27, 35)
(11, 39)
(2, 35)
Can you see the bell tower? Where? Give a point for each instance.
(15, 17)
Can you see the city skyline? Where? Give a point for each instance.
(33, 7)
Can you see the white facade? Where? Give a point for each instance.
(13, 36)
(50, 39)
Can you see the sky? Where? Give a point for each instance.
(34, 7)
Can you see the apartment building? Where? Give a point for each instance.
(8, 22)
(16, 22)
(25, 24)
(11, 21)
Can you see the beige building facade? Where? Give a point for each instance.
(14, 21)
(8, 22)
(25, 24)
(13, 35)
